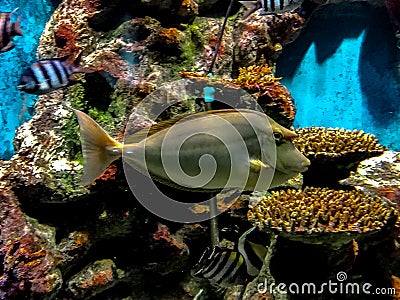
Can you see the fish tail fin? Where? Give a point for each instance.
(98, 148)
(77, 68)
(17, 27)
(74, 63)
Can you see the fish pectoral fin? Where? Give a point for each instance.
(256, 165)
(259, 250)
(8, 47)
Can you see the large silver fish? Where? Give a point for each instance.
(271, 6)
(238, 140)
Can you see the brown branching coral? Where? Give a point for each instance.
(255, 77)
(316, 141)
(322, 210)
(334, 152)
(274, 97)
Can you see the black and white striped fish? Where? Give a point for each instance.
(8, 30)
(48, 75)
(271, 6)
(225, 267)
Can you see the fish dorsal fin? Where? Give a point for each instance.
(251, 269)
(146, 132)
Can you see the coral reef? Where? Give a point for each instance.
(317, 210)
(317, 233)
(334, 152)
(135, 47)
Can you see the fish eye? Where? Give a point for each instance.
(278, 137)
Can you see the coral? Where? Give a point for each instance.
(256, 77)
(167, 41)
(170, 36)
(316, 210)
(260, 38)
(65, 39)
(334, 142)
(285, 28)
(72, 248)
(271, 95)
(334, 152)
(188, 8)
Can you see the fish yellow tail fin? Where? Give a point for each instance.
(98, 148)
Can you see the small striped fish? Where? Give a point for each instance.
(225, 267)
(48, 75)
(271, 6)
(8, 30)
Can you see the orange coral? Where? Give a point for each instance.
(261, 81)
(170, 35)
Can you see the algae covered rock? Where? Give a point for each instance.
(92, 280)
(379, 174)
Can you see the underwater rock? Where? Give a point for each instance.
(92, 280)
(380, 174)
(260, 38)
(68, 29)
(72, 248)
(27, 254)
(42, 169)
(174, 252)
(334, 152)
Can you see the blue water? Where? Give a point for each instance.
(343, 71)
(15, 106)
